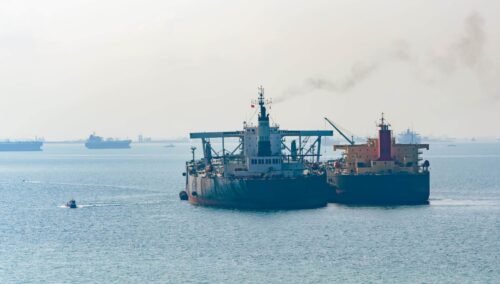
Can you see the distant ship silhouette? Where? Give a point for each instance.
(97, 142)
(21, 146)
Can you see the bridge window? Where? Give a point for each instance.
(268, 161)
(261, 161)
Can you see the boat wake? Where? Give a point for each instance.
(79, 206)
(463, 202)
(66, 207)
(32, 181)
(83, 184)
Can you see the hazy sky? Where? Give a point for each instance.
(165, 68)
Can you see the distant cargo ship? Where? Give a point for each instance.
(258, 173)
(380, 172)
(11, 146)
(97, 142)
(409, 137)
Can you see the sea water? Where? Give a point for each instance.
(131, 227)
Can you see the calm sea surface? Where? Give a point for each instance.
(133, 228)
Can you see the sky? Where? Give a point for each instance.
(166, 68)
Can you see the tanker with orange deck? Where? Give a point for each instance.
(380, 171)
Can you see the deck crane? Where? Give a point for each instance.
(351, 141)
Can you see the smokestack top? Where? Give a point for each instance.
(384, 140)
(383, 125)
(263, 115)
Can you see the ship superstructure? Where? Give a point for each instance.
(262, 171)
(380, 171)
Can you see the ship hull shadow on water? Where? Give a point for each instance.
(267, 194)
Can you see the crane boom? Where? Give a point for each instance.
(341, 133)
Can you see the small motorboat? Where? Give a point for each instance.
(71, 204)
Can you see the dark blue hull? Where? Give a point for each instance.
(124, 144)
(380, 189)
(258, 193)
(21, 146)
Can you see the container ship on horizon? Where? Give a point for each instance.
(380, 171)
(97, 142)
(262, 172)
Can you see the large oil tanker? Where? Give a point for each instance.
(97, 142)
(380, 171)
(262, 171)
(10, 146)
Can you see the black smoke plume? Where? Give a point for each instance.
(466, 51)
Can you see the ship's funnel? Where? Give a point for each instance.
(384, 141)
(293, 150)
(208, 153)
(263, 130)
